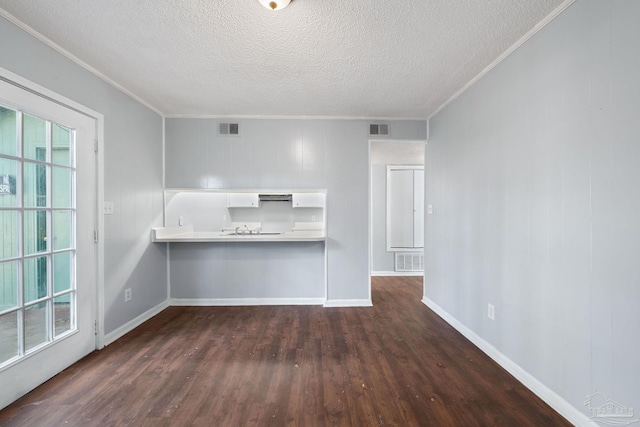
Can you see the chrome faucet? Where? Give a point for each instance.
(244, 230)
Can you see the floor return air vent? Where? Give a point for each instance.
(409, 261)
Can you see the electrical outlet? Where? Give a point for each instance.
(180, 221)
(127, 295)
(491, 312)
(108, 208)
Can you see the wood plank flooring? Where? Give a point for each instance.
(396, 364)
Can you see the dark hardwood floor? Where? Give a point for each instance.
(396, 364)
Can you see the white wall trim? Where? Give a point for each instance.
(35, 88)
(554, 400)
(348, 303)
(100, 180)
(369, 218)
(505, 54)
(134, 323)
(289, 117)
(397, 273)
(243, 302)
(9, 17)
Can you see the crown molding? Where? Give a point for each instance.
(31, 31)
(540, 25)
(290, 117)
(127, 92)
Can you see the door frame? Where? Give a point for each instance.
(370, 196)
(47, 94)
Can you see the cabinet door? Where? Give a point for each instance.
(400, 223)
(243, 200)
(418, 208)
(308, 200)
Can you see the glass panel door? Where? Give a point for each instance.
(48, 256)
(37, 219)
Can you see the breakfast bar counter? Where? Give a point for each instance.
(187, 234)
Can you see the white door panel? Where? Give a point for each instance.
(405, 208)
(25, 372)
(400, 209)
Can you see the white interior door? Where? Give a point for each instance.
(405, 208)
(48, 262)
(399, 208)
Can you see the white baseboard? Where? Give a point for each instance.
(132, 324)
(348, 303)
(554, 400)
(397, 273)
(239, 302)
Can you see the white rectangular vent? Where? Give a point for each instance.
(409, 261)
(228, 129)
(378, 129)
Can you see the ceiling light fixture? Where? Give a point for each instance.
(275, 4)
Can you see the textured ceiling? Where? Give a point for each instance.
(350, 58)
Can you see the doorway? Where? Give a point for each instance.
(48, 216)
(384, 156)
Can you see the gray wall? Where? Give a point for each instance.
(533, 173)
(133, 172)
(331, 154)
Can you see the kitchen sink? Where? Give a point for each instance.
(245, 233)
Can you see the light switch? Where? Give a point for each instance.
(429, 209)
(108, 208)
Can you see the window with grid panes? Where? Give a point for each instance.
(37, 223)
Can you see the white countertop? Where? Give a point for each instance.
(187, 234)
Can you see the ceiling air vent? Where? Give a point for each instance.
(228, 129)
(378, 129)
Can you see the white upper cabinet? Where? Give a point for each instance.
(219, 210)
(243, 200)
(308, 200)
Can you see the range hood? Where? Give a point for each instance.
(275, 197)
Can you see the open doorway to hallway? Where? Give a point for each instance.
(396, 208)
